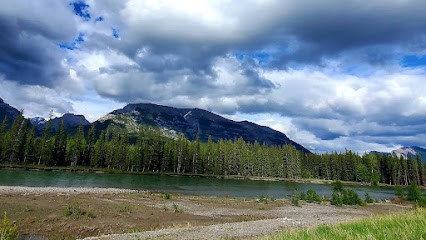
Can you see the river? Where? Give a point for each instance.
(176, 184)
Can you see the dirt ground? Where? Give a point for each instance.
(41, 213)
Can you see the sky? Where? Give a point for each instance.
(330, 74)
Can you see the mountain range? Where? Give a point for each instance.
(172, 121)
(406, 152)
(191, 122)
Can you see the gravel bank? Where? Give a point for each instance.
(290, 218)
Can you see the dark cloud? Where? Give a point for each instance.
(337, 69)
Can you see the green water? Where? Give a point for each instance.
(175, 184)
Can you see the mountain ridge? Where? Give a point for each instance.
(194, 121)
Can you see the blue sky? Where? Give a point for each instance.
(329, 74)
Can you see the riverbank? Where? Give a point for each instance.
(69, 213)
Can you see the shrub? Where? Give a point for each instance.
(414, 193)
(165, 196)
(263, 199)
(90, 215)
(8, 230)
(350, 197)
(399, 192)
(337, 199)
(368, 199)
(312, 196)
(338, 186)
(176, 208)
(74, 212)
(295, 200)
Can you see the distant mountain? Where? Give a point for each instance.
(191, 122)
(7, 111)
(406, 152)
(70, 121)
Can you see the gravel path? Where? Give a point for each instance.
(70, 190)
(291, 218)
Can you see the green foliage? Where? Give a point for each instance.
(342, 196)
(409, 225)
(350, 197)
(8, 230)
(368, 199)
(414, 193)
(126, 208)
(147, 149)
(336, 199)
(176, 208)
(312, 196)
(165, 196)
(295, 199)
(265, 199)
(73, 211)
(399, 192)
(90, 214)
(338, 186)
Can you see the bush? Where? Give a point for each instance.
(338, 186)
(165, 196)
(312, 196)
(295, 200)
(368, 199)
(350, 197)
(399, 192)
(177, 209)
(337, 199)
(8, 230)
(74, 212)
(414, 193)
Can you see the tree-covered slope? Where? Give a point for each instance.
(193, 122)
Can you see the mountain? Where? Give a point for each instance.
(7, 111)
(70, 121)
(405, 152)
(191, 122)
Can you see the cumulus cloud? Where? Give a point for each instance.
(329, 74)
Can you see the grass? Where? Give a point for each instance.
(126, 208)
(8, 229)
(176, 208)
(408, 225)
(165, 196)
(74, 211)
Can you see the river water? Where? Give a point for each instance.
(176, 184)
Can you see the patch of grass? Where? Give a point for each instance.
(409, 225)
(28, 209)
(127, 208)
(165, 196)
(8, 230)
(73, 211)
(176, 208)
(265, 199)
(90, 215)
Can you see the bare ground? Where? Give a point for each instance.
(129, 214)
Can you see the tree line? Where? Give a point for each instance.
(150, 151)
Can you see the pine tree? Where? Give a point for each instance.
(60, 145)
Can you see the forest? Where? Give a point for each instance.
(150, 151)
